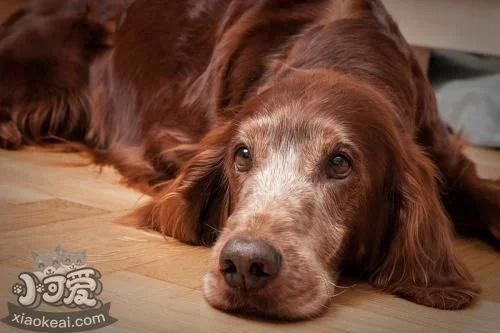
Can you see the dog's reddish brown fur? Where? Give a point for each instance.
(166, 91)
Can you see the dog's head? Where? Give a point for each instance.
(315, 173)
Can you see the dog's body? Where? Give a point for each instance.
(224, 111)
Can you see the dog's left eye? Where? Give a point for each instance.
(243, 159)
(339, 167)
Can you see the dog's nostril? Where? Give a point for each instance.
(231, 275)
(249, 264)
(228, 267)
(257, 270)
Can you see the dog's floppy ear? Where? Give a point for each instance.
(421, 264)
(193, 206)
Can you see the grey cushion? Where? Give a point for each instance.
(472, 106)
(468, 93)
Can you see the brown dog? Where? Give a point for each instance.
(300, 134)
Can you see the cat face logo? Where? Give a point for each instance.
(58, 261)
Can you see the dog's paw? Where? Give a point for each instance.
(10, 137)
(446, 297)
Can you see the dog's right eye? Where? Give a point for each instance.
(339, 167)
(243, 159)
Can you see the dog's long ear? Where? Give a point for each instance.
(193, 206)
(421, 263)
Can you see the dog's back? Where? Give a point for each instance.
(104, 78)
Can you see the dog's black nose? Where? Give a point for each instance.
(249, 264)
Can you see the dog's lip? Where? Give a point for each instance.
(254, 303)
(255, 310)
(243, 301)
(242, 305)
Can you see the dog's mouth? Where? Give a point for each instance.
(253, 278)
(240, 301)
(276, 301)
(235, 300)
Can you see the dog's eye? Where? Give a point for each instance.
(339, 167)
(243, 159)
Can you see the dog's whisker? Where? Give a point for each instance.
(339, 293)
(328, 281)
(212, 228)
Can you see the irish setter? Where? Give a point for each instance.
(299, 136)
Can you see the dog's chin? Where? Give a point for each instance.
(266, 303)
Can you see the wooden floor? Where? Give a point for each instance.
(153, 284)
